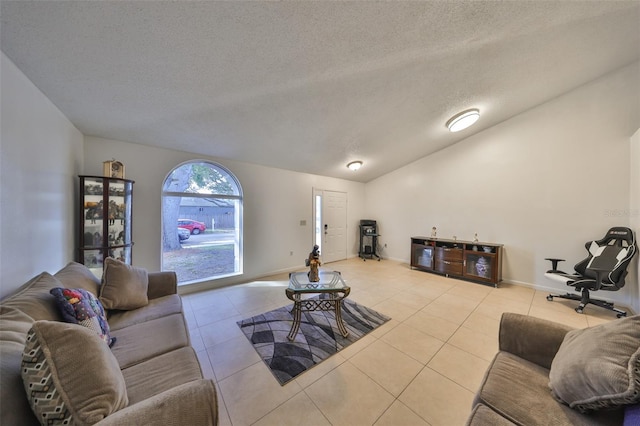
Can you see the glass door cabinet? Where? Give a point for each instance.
(105, 221)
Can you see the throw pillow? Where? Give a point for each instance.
(598, 367)
(124, 287)
(78, 306)
(70, 375)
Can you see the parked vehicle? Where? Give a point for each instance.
(183, 234)
(193, 226)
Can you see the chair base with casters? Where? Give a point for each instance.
(585, 299)
(604, 269)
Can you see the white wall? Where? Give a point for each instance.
(543, 182)
(275, 201)
(40, 154)
(634, 218)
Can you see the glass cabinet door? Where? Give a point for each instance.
(92, 231)
(123, 254)
(118, 210)
(422, 256)
(105, 224)
(479, 265)
(93, 259)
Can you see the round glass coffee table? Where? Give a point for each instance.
(330, 285)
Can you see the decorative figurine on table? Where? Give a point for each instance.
(313, 262)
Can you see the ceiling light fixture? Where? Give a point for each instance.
(463, 120)
(354, 165)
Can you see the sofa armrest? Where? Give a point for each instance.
(534, 339)
(192, 403)
(162, 284)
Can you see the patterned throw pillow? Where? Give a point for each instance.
(78, 306)
(70, 375)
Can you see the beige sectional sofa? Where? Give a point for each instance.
(161, 381)
(541, 363)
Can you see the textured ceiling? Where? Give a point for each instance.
(309, 86)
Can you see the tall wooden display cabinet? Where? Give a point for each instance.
(105, 221)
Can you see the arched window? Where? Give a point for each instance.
(201, 222)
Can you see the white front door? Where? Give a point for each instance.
(331, 224)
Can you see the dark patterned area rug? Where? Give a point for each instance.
(317, 339)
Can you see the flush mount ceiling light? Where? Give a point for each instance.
(354, 165)
(463, 120)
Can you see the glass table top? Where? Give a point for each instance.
(329, 280)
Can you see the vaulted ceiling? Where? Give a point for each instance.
(310, 86)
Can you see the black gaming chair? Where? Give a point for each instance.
(604, 269)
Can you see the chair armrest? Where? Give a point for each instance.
(600, 272)
(193, 403)
(554, 264)
(162, 284)
(534, 339)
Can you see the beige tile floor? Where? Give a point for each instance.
(421, 368)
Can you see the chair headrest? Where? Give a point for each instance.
(620, 234)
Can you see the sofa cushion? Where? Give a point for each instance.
(77, 275)
(599, 367)
(518, 390)
(78, 306)
(14, 325)
(140, 342)
(161, 373)
(33, 298)
(124, 286)
(481, 415)
(193, 403)
(70, 374)
(157, 308)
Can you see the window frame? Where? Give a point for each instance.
(238, 211)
